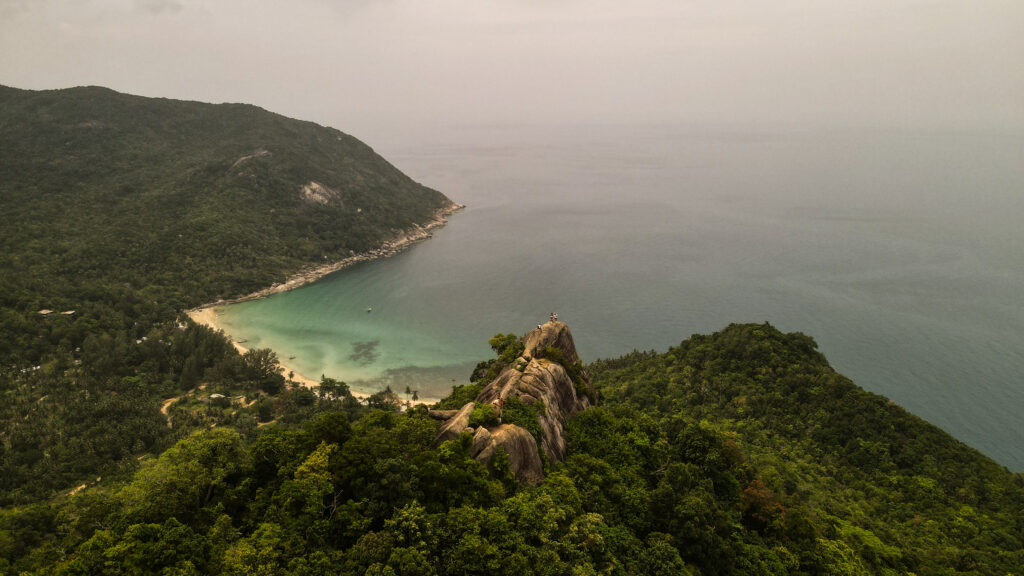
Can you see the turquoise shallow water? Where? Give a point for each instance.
(900, 253)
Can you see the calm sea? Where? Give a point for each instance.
(901, 253)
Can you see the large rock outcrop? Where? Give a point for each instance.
(539, 377)
(517, 443)
(455, 424)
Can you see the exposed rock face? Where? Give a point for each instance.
(555, 335)
(481, 439)
(451, 429)
(441, 414)
(531, 378)
(523, 458)
(317, 193)
(261, 153)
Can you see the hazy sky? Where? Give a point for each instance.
(363, 65)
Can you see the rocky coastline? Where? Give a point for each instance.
(401, 241)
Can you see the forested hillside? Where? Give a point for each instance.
(181, 202)
(768, 437)
(738, 453)
(118, 212)
(133, 441)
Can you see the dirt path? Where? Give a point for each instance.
(166, 406)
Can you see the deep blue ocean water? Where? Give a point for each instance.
(901, 253)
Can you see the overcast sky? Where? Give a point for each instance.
(360, 65)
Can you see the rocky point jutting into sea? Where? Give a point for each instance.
(540, 378)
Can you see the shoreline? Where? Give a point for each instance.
(207, 315)
(400, 242)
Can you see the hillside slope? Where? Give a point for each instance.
(768, 436)
(184, 200)
(118, 213)
(738, 453)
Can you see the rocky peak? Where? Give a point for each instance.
(547, 375)
(554, 334)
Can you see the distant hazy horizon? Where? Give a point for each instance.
(378, 68)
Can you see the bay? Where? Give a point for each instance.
(900, 252)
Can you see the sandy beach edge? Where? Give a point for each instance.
(207, 315)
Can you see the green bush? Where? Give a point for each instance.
(483, 415)
(265, 409)
(523, 415)
(554, 354)
(459, 397)
(508, 347)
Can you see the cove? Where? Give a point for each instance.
(898, 251)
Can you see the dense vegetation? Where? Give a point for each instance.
(128, 210)
(756, 441)
(737, 453)
(179, 202)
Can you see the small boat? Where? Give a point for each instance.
(291, 357)
(241, 341)
(368, 310)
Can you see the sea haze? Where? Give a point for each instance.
(901, 253)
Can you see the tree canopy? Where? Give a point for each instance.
(737, 453)
(133, 441)
(119, 213)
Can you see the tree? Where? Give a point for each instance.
(185, 477)
(262, 368)
(331, 389)
(330, 427)
(386, 399)
(303, 496)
